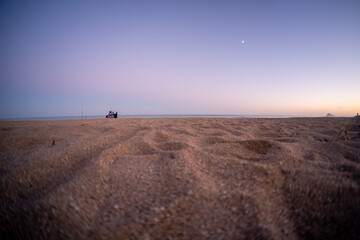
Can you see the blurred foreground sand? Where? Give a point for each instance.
(195, 178)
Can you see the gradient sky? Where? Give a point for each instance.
(179, 57)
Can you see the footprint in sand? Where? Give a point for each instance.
(136, 148)
(173, 146)
(257, 146)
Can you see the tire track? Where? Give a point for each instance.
(30, 202)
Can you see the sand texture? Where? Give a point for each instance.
(195, 178)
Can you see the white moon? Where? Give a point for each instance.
(242, 41)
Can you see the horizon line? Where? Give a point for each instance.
(73, 117)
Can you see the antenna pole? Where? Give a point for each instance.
(82, 115)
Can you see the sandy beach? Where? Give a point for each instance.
(189, 178)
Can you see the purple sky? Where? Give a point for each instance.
(179, 57)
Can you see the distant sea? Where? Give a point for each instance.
(148, 116)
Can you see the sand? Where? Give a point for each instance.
(192, 178)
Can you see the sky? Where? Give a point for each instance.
(179, 57)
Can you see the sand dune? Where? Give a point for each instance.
(180, 179)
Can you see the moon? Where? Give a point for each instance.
(242, 41)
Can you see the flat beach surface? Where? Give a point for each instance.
(192, 178)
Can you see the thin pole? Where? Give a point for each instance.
(82, 114)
